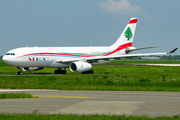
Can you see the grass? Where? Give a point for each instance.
(91, 82)
(79, 117)
(117, 76)
(15, 95)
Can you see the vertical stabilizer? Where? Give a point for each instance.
(126, 38)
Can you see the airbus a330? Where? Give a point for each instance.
(78, 59)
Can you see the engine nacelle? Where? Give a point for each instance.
(32, 68)
(80, 66)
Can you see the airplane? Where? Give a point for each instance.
(78, 59)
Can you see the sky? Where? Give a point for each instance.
(57, 23)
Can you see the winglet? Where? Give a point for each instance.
(172, 51)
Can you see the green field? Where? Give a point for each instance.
(117, 76)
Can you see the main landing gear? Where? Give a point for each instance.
(88, 72)
(60, 71)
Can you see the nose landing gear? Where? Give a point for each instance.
(19, 72)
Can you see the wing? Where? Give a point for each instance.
(95, 58)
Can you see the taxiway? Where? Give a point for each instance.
(94, 102)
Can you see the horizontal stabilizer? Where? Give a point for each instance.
(128, 50)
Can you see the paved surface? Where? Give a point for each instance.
(94, 102)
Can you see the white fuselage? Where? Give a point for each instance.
(47, 56)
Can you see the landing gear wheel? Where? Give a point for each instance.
(56, 71)
(91, 72)
(60, 71)
(20, 73)
(64, 72)
(88, 72)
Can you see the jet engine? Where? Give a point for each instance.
(80, 66)
(32, 68)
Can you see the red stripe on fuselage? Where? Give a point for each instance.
(53, 54)
(133, 21)
(120, 48)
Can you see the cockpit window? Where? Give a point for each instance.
(10, 53)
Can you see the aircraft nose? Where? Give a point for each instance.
(6, 60)
(9, 60)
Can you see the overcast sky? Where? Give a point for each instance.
(46, 23)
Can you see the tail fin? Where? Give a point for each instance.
(126, 38)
